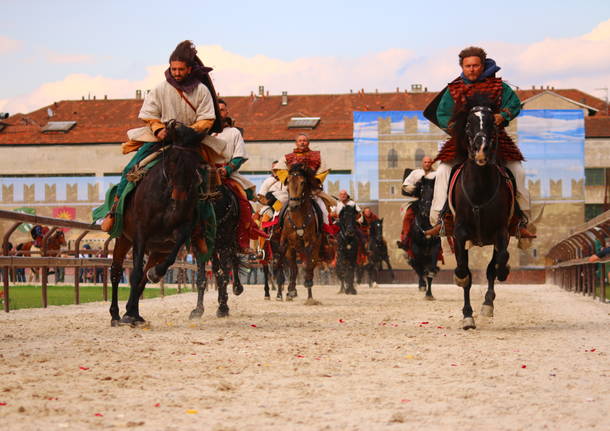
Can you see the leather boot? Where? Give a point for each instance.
(108, 221)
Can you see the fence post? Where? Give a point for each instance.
(77, 270)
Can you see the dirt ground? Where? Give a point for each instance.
(382, 360)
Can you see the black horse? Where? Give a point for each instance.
(377, 253)
(424, 250)
(483, 199)
(226, 261)
(273, 271)
(348, 242)
(159, 216)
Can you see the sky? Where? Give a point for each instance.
(64, 49)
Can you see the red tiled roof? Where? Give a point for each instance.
(262, 118)
(597, 127)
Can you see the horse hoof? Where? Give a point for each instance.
(375, 285)
(468, 323)
(462, 282)
(152, 276)
(351, 291)
(238, 290)
(221, 312)
(487, 310)
(131, 321)
(279, 299)
(267, 298)
(196, 314)
(114, 323)
(429, 298)
(422, 288)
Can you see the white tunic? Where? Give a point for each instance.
(410, 184)
(165, 103)
(277, 188)
(340, 205)
(234, 147)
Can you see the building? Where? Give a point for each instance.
(60, 159)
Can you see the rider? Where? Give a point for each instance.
(233, 156)
(478, 77)
(409, 186)
(312, 160)
(186, 95)
(344, 201)
(271, 195)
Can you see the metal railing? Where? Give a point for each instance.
(9, 262)
(568, 263)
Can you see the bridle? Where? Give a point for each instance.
(481, 133)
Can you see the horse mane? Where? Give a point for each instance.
(184, 159)
(460, 118)
(301, 169)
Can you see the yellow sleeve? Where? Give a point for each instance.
(202, 125)
(282, 174)
(155, 125)
(322, 175)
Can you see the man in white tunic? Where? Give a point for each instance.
(344, 201)
(186, 95)
(272, 194)
(409, 186)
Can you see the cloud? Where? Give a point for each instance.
(580, 62)
(9, 45)
(59, 58)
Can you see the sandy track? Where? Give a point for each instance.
(362, 362)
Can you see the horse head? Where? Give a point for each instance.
(376, 230)
(347, 221)
(481, 131)
(300, 184)
(183, 159)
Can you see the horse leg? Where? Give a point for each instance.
(121, 248)
(429, 295)
(266, 287)
(386, 259)
(201, 285)
(308, 282)
(294, 271)
(497, 267)
(350, 274)
(220, 265)
(278, 271)
(132, 316)
(156, 273)
(463, 278)
(238, 288)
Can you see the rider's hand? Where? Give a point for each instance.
(162, 134)
(222, 172)
(499, 119)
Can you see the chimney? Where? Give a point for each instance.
(138, 94)
(261, 90)
(284, 98)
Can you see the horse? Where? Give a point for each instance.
(54, 244)
(272, 269)
(226, 263)
(348, 242)
(377, 253)
(301, 230)
(424, 250)
(483, 200)
(159, 216)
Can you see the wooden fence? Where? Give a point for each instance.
(8, 262)
(568, 265)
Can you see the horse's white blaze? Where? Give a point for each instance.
(480, 115)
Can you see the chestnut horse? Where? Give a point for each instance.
(483, 198)
(300, 234)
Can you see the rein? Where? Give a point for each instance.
(476, 209)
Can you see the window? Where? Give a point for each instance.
(595, 177)
(593, 210)
(303, 122)
(58, 126)
(392, 158)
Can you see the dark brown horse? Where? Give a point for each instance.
(300, 235)
(483, 199)
(159, 216)
(54, 243)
